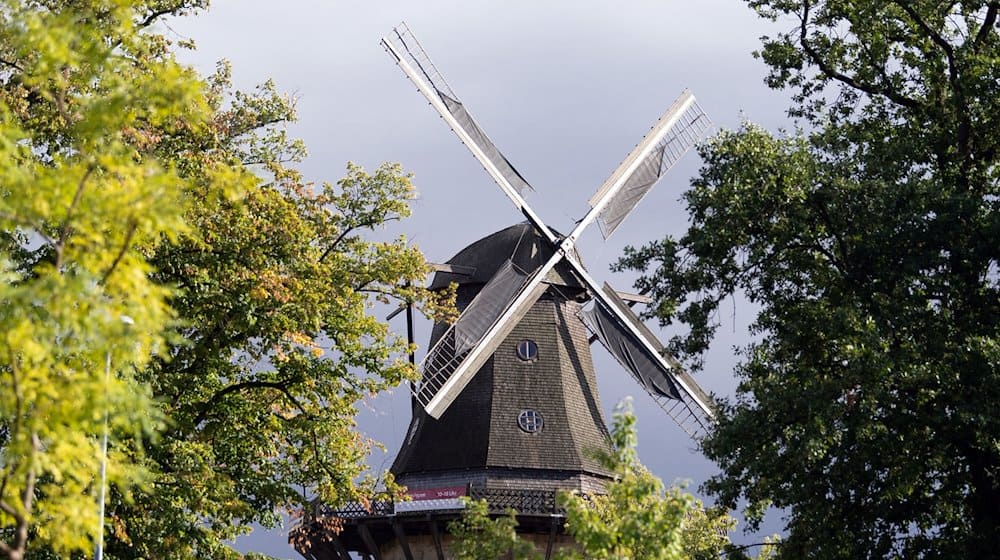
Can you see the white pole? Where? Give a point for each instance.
(99, 547)
(99, 550)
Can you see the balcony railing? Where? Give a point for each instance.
(499, 500)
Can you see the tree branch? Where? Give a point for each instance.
(369, 224)
(743, 547)
(988, 22)
(22, 518)
(219, 395)
(833, 74)
(331, 472)
(13, 65)
(35, 228)
(15, 425)
(64, 229)
(824, 215)
(8, 509)
(27, 496)
(121, 254)
(934, 35)
(333, 245)
(960, 106)
(154, 15)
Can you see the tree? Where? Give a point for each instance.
(636, 518)
(478, 536)
(274, 281)
(80, 210)
(276, 292)
(866, 406)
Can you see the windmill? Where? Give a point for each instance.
(451, 364)
(506, 408)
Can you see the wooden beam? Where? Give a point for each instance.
(436, 537)
(341, 552)
(366, 537)
(632, 299)
(397, 311)
(397, 528)
(635, 298)
(552, 538)
(453, 269)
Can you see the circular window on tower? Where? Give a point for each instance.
(527, 350)
(530, 421)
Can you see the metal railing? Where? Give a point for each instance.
(524, 502)
(499, 500)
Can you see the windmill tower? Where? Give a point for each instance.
(507, 408)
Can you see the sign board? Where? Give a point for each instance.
(448, 492)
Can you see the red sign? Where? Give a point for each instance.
(437, 493)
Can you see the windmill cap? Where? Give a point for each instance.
(520, 243)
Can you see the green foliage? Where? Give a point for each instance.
(636, 519)
(110, 149)
(867, 405)
(79, 210)
(276, 287)
(478, 536)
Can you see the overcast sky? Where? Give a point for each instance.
(565, 89)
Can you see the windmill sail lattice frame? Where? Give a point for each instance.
(450, 365)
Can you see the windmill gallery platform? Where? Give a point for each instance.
(507, 408)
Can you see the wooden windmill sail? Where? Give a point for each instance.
(458, 354)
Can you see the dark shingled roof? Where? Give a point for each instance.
(480, 432)
(520, 243)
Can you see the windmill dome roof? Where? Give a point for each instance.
(520, 243)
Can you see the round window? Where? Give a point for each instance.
(530, 421)
(527, 350)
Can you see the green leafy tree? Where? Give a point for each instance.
(480, 536)
(637, 518)
(80, 212)
(276, 293)
(115, 148)
(276, 282)
(866, 407)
